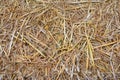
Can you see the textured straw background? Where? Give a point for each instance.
(59, 39)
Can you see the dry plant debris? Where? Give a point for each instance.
(59, 39)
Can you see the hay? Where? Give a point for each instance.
(59, 39)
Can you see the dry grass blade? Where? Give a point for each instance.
(54, 38)
(34, 11)
(38, 41)
(90, 51)
(113, 71)
(107, 44)
(11, 42)
(34, 47)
